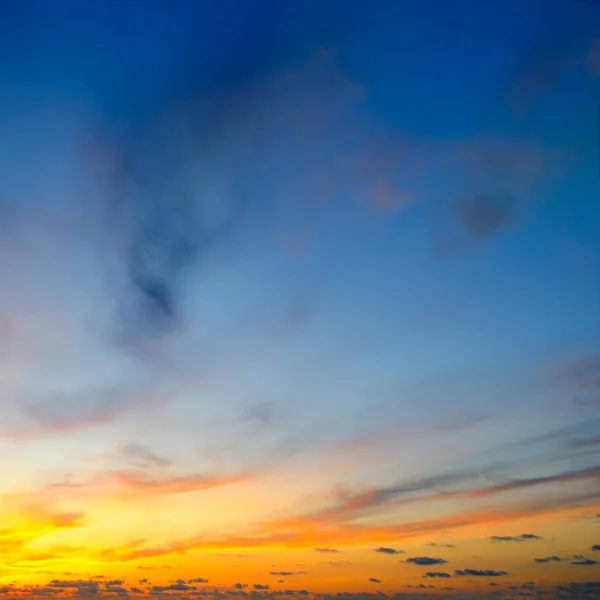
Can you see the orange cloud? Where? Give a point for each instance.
(174, 485)
(304, 532)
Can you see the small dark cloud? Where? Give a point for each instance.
(434, 545)
(384, 550)
(326, 550)
(547, 559)
(286, 573)
(479, 573)
(437, 574)
(198, 580)
(425, 560)
(483, 215)
(239, 586)
(596, 548)
(374, 580)
(583, 561)
(524, 537)
(173, 587)
(258, 586)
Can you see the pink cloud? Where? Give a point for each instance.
(384, 199)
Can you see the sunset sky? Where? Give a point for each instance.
(299, 298)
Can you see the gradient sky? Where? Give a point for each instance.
(299, 298)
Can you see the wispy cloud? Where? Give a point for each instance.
(174, 484)
(523, 537)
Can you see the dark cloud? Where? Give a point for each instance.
(580, 589)
(286, 573)
(548, 559)
(384, 550)
(82, 586)
(185, 179)
(374, 580)
(258, 586)
(349, 500)
(435, 545)
(581, 373)
(173, 587)
(596, 548)
(437, 574)
(583, 561)
(479, 573)
(515, 538)
(586, 442)
(326, 550)
(198, 580)
(484, 215)
(425, 560)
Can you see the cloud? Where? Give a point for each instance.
(139, 456)
(383, 198)
(425, 560)
(583, 561)
(286, 573)
(483, 216)
(350, 502)
(384, 550)
(302, 532)
(596, 548)
(581, 373)
(586, 442)
(374, 580)
(548, 559)
(173, 587)
(258, 586)
(435, 545)
(198, 580)
(82, 586)
(437, 574)
(173, 485)
(515, 538)
(479, 573)
(332, 550)
(172, 186)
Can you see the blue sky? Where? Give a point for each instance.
(279, 240)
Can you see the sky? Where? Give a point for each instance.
(299, 299)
